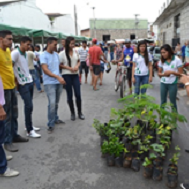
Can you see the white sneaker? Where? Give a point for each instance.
(10, 173)
(34, 128)
(8, 157)
(33, 134)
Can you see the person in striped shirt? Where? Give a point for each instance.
(83, 53)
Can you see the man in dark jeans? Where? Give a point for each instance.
(25, 83)
(127, 56)
(10, 107)
(83, 53)
(4, 170)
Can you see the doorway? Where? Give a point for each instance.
(132, 36)
(106, 37)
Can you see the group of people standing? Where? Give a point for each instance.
(18, 73)
(140, 71)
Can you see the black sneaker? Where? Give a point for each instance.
(187, 151)
(184, 186)
(50, 130)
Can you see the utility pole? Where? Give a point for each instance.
(76, 22)
(136, 23)
(94, 21)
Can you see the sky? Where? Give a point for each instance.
(148, 9)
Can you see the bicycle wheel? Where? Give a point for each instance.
(117, 83)
(123, 87)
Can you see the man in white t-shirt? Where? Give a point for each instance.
(83, 53)
(25, 83)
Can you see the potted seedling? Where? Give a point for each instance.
(172, 173)
(102, 130)
(127, 159)
(135, 165)
(158, 162)
(144, 147)
(114, 149)
(148, 165)
(108, 148)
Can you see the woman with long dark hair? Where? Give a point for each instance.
(170, 68)
(70, 64)
(142, 68)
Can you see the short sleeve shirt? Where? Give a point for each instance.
(6, 69)
(74, 61)
(21, 69)
(172, 66)
(141, 69)
(53, 63)
(95, 52)
(31, 56)
(83, 53)
(128, 56)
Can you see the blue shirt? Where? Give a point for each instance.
(53, 62)
(128, 56)
(183, 50)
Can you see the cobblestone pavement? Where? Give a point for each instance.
(70, 158)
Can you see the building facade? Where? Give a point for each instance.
(86, 32)
(173, 22)
(107, 29)
(25, 13)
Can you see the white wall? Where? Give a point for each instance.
(24, 14)
(27, 14)
(64, 24)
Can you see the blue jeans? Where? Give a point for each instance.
(11, 109)
(112, 55)
(53, 92)
(106, 54)
(3, 161)
(26, 92)
(140, 80)
(36, 79)
(72, 81)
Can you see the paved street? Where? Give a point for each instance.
(70, 158)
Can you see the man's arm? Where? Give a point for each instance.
(120, 60)
(2, 100)
(50, 74)
(185, 79)
(150, 71)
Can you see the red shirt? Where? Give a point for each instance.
(95, 52)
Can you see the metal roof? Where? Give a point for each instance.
(9, 1)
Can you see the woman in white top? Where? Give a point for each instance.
(142, 68)
(70, 63)
(170, 67)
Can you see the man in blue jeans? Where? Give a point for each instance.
(25, 83)
(11, 104)
(112, 49)
(4, 170)
(52, 81)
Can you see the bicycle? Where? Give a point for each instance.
(120, 80)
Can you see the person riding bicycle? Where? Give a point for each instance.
(127, 56)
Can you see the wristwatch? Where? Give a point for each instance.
(187, 84)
